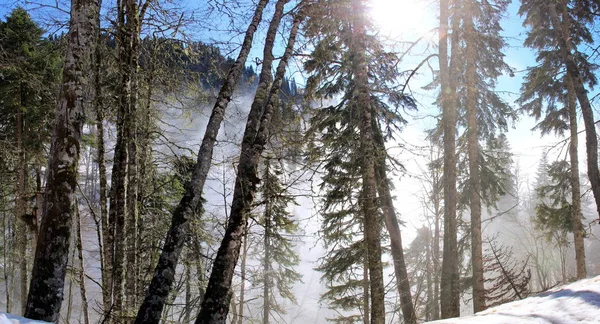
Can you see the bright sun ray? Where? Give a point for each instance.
(405, 18)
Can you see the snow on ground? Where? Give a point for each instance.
(12, 319)
(578, 302)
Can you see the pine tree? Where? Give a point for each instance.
(349, 61)
(277, 274)
(549, 95)
(28, 81)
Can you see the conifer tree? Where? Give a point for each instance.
(28, 82)
(277, 273)
(549, 95)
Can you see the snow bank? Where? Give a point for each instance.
(578, 302)
(12, 319)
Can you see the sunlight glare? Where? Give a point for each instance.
(405, 18)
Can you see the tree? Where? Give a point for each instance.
(29, 78)
(449, 287)
(506, 279)
(549, 94)
(279, 258)
(215, 305)
(49, 267)
(568, 20)
(191, 202)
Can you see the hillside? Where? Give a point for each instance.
(578, 302)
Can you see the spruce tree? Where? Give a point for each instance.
(549, 95)
(278, 273)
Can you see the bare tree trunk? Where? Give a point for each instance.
(267, 257)
(243, 277)
(474, 172)
(435, 184)
(8, 264)
(577, 226)
(104, 241)
(21, 208)
(591, 138)
(132, 29)
(50, 263)
(79, 243)
(449, 288)
(366, 288)
(215, 306)
(391, 223)
(164, 273)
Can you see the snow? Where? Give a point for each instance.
(12, 319)
(578, 302)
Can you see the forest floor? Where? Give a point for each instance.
(578, 302)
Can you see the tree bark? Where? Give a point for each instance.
(82, 290)
(190, 203)
(215, 305)
(474, 172)
(243, 278)
(577, 226)
(361, 100)
(391, 223)
(591, 139)
(449, 287)
(106, 252)
(50, 263)
(366, 287)
(21, 205)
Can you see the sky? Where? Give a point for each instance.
(399, 19)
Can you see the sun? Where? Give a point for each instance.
(404, 18)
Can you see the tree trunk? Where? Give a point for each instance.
(474, 172)
(105, 243)
(361, 100)
(243, 278)
(164, 274)
(267, 257)
(215, 305)
(391, 223)
(84, 301)
(50, 263)
(435, 185)
(577, 226)
(366, 287)
(21, 207)
(591, 138)
(449, 288)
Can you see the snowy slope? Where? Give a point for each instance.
(578, 302)
(12, 319)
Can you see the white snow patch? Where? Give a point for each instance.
(12, 319)
(578, 302)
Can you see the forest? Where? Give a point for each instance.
(295, 161)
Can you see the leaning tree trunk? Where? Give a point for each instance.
(474, 172)
(215, 305)
(449, 287)
(51, 256)
(591, 139)
(361, 100)
(164, 274)
(391, 223)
